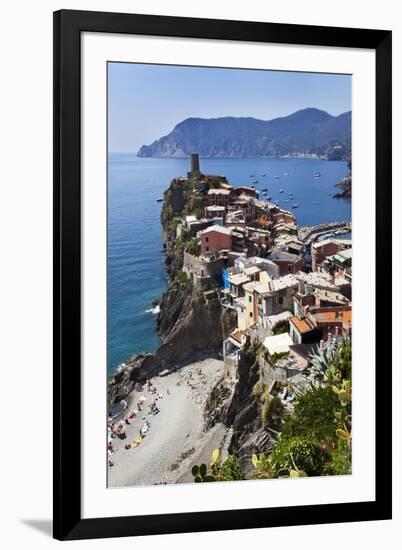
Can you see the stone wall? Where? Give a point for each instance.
(199, 268)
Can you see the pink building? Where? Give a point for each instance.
(321, 249)
(215, 239)
(287, 262)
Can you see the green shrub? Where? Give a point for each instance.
(228, 471)
(314, 416)
(304, 454)
(341, 460)
(271, 409)
(193, 247)
(183, 280)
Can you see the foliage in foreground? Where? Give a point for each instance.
(228, 470)
(316, 438)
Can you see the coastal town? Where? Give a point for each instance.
(283, 295)
(290, 288)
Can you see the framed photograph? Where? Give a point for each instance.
(207, 371)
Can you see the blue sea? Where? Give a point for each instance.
(136, 274)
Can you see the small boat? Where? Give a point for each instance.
(316, 175)
(159, 200)
(254, 181)
(285, 174)
(264, 190)
(269, 198)
(252, 176)
(295, 205)
(286, 200)
(277, 177)
(263, 175)
(280, 190)
(315, 202)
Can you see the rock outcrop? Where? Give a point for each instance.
(188, 323)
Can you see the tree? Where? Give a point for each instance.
(314, 416)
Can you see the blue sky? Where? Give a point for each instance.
(147, 101)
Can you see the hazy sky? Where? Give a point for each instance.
(147, 101)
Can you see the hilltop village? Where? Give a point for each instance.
(290, 288)
(255, 361)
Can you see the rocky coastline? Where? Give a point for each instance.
(189, 328)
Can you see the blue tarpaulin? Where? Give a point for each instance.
(225, 278)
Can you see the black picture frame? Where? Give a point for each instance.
(68, 26)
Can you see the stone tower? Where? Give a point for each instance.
(194, 163)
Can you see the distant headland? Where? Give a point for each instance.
(308, 132)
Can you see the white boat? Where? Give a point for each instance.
(295, 205)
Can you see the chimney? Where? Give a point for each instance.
(321, 344)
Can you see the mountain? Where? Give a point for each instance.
(306, 131)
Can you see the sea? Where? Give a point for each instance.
(136, 274)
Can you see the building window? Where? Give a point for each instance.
(280, 300)
(251, 313)
(250, 299)
(207, 248)
(206, 239)
(290, 268)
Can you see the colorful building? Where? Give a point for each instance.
(219, 197)
(215, 239)
(287, 262)
(322, 249)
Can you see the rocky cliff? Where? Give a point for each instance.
(188, 323)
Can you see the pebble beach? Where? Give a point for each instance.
(174, 438)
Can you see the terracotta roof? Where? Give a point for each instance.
(263, 221)
(301, 324)
(236, 335)
(344, 316)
